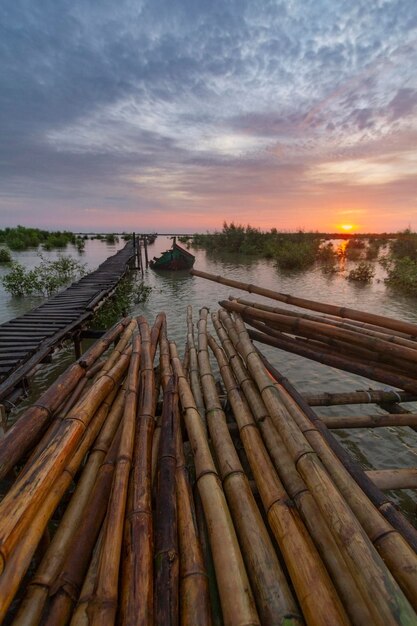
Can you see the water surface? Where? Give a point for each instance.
(172, 292)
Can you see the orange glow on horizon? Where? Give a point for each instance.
(346, 227)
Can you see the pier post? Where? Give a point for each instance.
(145, 246)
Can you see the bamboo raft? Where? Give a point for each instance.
(139, 489)
(28, 340)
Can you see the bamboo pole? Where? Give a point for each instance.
(82, 611)
(25, 433)
(235, 594)
(215, 604)
(323, 606)
(296, 487)
(354, 355)
(387, 603)
(193, 370)
(343, 363)
(21, 557)
(117, 352)
(106, 589)
(366, 396)
(345, 312)
(369, 421)
(195, 607)
(166, 557)
(274, 600)
(65, 591)
(19, 505)
(309, 328)
(366, 329)
(402, 478)
(37, 592)
(385, 507)
(136, 605)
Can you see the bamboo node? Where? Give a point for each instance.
(207, 472)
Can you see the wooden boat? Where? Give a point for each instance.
(174, 259)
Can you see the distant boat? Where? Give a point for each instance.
(174, 259)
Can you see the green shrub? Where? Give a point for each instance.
(326, 253)
(21, 238)
(296, 255)
(372, 251)
(127, 294)
(5, 256)
(111, 238)
(45, 279)
(363, 273)
(405, 245)
(402, 274)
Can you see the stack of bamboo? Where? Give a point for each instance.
(376, 347)
(132, 499)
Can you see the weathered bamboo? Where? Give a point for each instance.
(25, 433)
(106, 589)
(272, 595)
(309, 328)
(297, 490)
(364, 512)
(353, 354)
(65, 591)
(21, 557)
(26, 495)
(236, 597)
(155, 448)
(82, 611)
(343, 363)
(194, 592)
(215, 604)
(366, 329)
(166, 557)
(118, 350)
(156, 329)
(369, 421)
(37, 592)
(385, 600)
(193, 371)
(323, 606)
(345, 312)
(403, 478)
(366, 396)
(136, 605)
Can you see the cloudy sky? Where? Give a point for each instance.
(179, 114)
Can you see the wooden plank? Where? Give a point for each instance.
(32, 336)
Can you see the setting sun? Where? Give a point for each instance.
(346, 227)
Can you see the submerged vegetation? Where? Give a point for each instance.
(301, 250)
(22, 238)
(363, 273)
(127, 294)
(5, 256)
(43, 280)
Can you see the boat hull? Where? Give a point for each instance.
(173, 260)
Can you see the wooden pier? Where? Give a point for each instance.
(29, 339)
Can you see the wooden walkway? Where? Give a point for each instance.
(27, 340)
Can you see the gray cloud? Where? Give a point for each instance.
(181, 102)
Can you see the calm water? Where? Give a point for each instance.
(374, 448)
